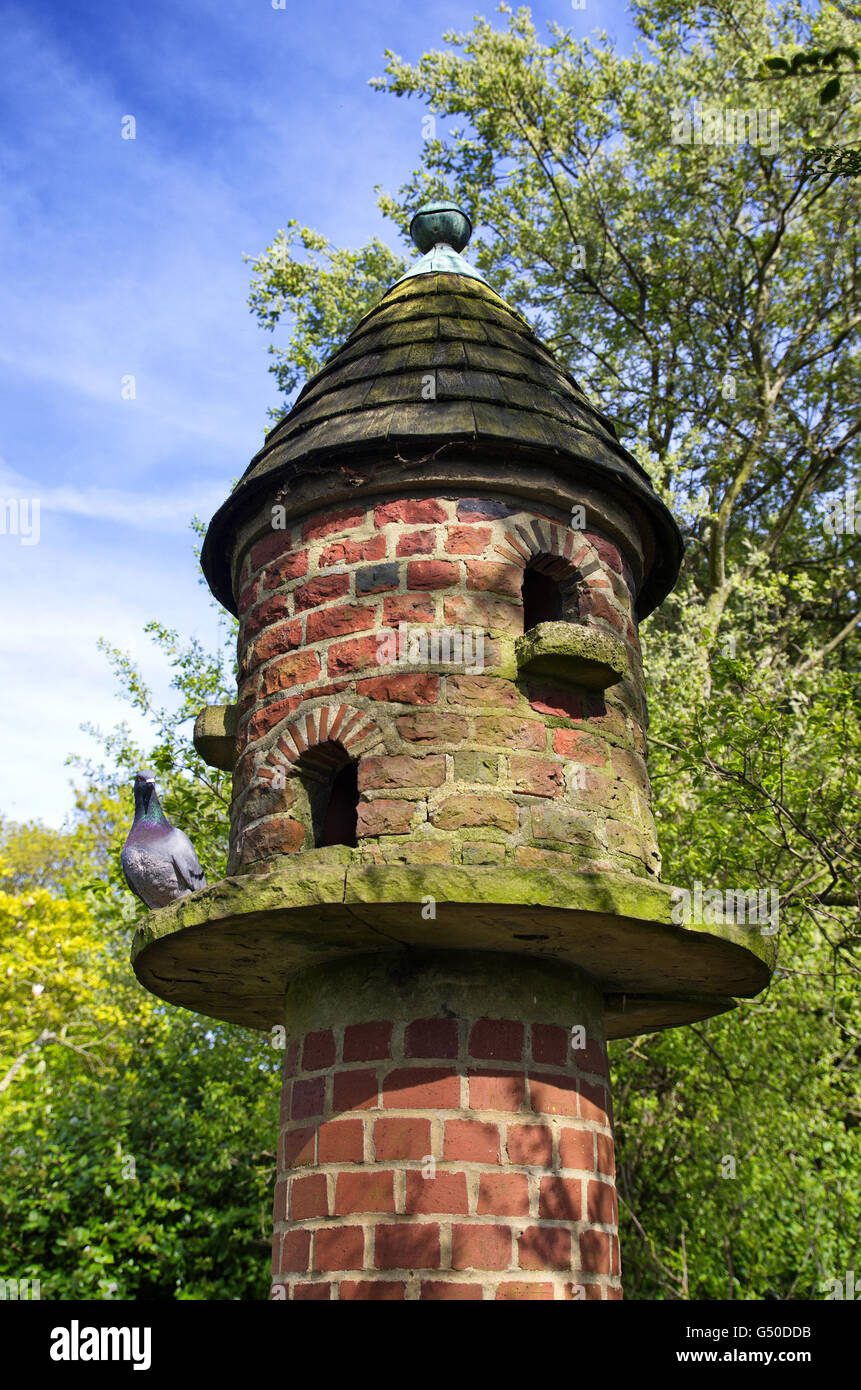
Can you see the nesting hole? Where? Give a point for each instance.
(549, 592)
(330, 778)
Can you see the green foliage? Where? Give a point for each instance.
(814, 63)
(149, 1175)
(707, 264)
(193, 795)
(702, 263)
(841, 163)
(740, 1138)
(739, 1144)
(324, 290)
(136, 1140)
(831, 159)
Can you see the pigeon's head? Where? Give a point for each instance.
(144, 783)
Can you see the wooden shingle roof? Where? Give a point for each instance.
(443, 365)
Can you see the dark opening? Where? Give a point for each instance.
(542, 599)
(339, 822)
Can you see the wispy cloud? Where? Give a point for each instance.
(147, 511)
(124, 258)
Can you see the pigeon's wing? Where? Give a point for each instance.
(141, 873)
(190, 877)
(130, 877)
(138, 895)
(186, 863)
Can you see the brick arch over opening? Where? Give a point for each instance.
(312, 738)
(281, 811)
(569, 557)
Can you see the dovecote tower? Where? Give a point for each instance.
(444, 880)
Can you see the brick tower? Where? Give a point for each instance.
(444, 878)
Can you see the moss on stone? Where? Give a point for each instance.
(583, 656)
(230, 950)
(455, 984)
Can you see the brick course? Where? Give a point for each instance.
(556, 771)
(436, 1159)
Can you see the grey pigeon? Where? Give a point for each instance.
(159, 862)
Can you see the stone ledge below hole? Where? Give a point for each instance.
(570, 652)
(214, 735)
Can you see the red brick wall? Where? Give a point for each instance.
(445, 1158)
(464, 768)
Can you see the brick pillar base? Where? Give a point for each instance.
(441, 1138)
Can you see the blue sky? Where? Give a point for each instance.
(124, 258)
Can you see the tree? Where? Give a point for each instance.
(194, 795)
(136, 1139)
(815, 64)
(326, 295)
(689, 263)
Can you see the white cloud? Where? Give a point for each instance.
(53, 678)
(139, 510)
(125, 257)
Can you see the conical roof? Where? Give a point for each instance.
(442, 365)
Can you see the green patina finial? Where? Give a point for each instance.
(436, 223)
(441, 231)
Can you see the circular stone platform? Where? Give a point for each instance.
(229, 951)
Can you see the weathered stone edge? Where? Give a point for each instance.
(283, 888)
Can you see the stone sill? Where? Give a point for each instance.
(570, 652)
(214, 736)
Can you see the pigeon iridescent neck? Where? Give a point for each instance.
(148, 807)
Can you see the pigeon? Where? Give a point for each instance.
(158, 860)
